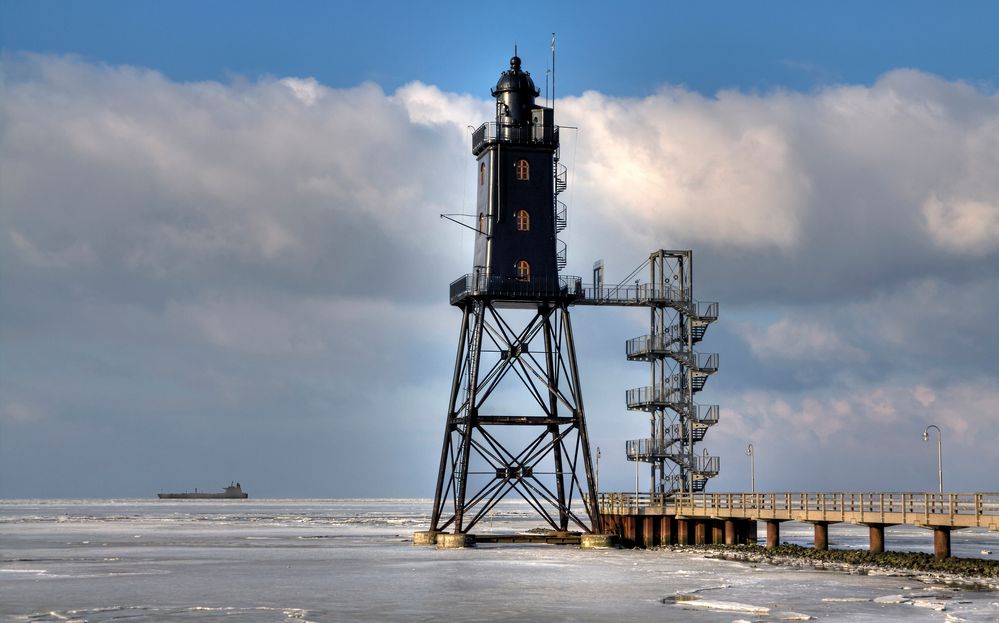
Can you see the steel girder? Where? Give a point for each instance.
(542, 455)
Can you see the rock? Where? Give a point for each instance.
(794, 616)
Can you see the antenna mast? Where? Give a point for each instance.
(553, 72)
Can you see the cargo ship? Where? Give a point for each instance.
(233, 492)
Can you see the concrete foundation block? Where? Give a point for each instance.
(449, 540)
(597, 541)
(425, 537)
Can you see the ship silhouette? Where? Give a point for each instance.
(233, 492)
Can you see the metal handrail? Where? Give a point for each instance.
(640, 396)
(484, 284)
(706, 414)
(493, 132)
(706, 464)
(706, 310)
(642, 292)
(634, 448)
(672, 344)
(650, 294)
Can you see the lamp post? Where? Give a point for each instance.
(752, 467)
(636, 480)
(926, 437)
(597, 483)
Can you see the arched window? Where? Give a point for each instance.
(523, 270)
(523, 170)
(522, 220)
(482, 174)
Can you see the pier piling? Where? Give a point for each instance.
(941, 542)
(821, 540)
(877, 532)
(683, 531)
(773, 533)
(731, 537)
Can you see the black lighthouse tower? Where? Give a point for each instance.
(515, 198)
(515, 421)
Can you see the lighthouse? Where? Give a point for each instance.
(516, 199)
(515, 423)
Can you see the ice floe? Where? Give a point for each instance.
(932, 604)
(892, 599)
(726, 606)
(846, 599)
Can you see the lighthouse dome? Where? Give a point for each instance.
(515, 81)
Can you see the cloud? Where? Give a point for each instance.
(20, 412)
(800, 340)
(955, 406)
(963, 226)
(264, 260)
(695, 165)
(792, 197)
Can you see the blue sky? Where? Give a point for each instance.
(221, 257)
(623, 48)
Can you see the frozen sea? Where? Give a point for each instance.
(352, 560)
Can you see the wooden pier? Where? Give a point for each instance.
(730, 518)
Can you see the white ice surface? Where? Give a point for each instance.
(351, 560)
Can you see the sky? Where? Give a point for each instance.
(221, 257)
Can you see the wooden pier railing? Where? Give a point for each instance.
(954, 510)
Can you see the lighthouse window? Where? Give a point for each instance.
(523, 270)
(523, 170)
(482, 174)
(523, 220)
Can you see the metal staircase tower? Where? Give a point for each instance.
(677, 372)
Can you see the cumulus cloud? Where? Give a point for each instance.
(963, 226)
(680, 161)
(868, 434)
(800, 340)
(828, 196)
(264, 259)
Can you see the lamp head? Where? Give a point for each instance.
(926, 436)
